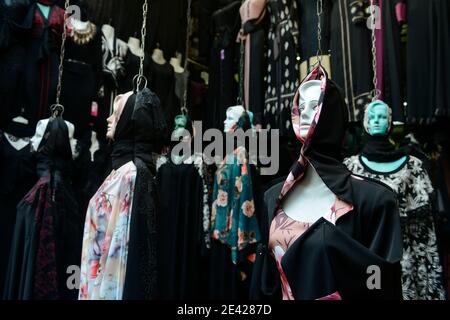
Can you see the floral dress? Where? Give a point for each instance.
(106, 236)
(421, 268)
(233, 216)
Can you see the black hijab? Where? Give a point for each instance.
(140, 129)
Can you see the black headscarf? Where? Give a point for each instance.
(140, 129)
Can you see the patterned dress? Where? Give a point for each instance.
(106, 236)
(283, 67)
(422, 271)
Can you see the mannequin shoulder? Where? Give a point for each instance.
(371, 193)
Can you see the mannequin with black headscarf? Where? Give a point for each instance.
(119, 250)
(380, 160)
(329, 252)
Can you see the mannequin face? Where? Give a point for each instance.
(114, 118)
(308, 105)
(378, 120)
(233, 115)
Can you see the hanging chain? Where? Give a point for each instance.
(319, 30)
(63, 51)
(374, 51)
(143, 37)
(184, 109)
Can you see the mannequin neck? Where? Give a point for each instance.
(176, 64)
(158, 56)
(79, 25)
(384, 167)
(44, 9)
(310, 199)
(108, 31)
(135, 46)
(95, 145)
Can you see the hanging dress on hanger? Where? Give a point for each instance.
(47, 234)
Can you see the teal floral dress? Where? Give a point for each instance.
(233, 218)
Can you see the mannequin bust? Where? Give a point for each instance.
(44, 9)
(158, 56)
(233, 115)
(109, 32)
(78, 24)
(176, 63)
(134, 44)
(310, 199)
(377, 123)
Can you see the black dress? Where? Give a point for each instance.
(182, 247)
(283, 67)
(428, 49)
(17, 169)
(224, 65)
(47, 235)
(132, 64)
(351, 56)
(162, 82)
(42, 49)
(81, 81)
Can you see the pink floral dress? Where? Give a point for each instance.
(106, 236)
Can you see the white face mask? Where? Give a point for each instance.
(310, 93)
(233, 115)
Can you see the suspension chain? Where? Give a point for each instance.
(143, 37)
(319, 12)
(184, 109)
(375, 94)
(63, 51)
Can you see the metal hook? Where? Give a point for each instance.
(137, 82)
(57, 110)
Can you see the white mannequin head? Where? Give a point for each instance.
(308, 105)
(233, 115)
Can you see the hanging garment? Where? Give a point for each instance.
(119, 244)
(181, 86)
(132, 64)
(47, 234)
(427, 65)
(351, 55)
(82, 77)
(183, 229)
(17, 169)
(394, 27)
(234, 224)
(283, 67)
(42, 50)
(224, 63)
(422, 270)
(253, 34)
(330, 259)
(162, 82)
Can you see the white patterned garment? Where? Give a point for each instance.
(422, 270)
(106, 236)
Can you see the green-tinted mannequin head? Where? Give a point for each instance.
(377, 119)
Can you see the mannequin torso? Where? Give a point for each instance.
(176, 64)
(310, 199)
(158, 56)
(109, 33)
(134, 45)
(384, 167)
